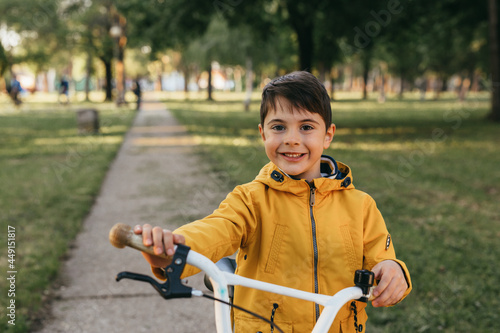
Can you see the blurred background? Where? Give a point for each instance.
(383, 46)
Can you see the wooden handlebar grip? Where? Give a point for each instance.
(122, 235)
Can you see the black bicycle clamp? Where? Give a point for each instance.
(364, 279)
(173, 287)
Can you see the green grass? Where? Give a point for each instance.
(50, 176)
(432, 167)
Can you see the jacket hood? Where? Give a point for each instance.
(335, 176)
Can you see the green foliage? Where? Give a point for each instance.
(408, 39)
(412, 37)
(50, 176)
(43, 29)
(431, 166)
(165, 24)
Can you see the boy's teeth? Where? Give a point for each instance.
(293, 155)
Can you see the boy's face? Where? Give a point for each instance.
(295, 139)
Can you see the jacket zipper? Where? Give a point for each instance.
(312, 201)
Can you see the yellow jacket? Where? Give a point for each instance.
(311, 237)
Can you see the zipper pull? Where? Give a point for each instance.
(275, 306)
(312, 201)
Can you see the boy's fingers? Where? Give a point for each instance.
(146, 235)
(391, 291)
(179, 239)
(158, 240)
(382, 284)
(138, 229)
(387, 299)
(168, 242)
(383, 293)
(162, 240)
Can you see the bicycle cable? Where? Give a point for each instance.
(244, 310)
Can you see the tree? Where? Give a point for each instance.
(305, 18)
(92, 23)
(222, 44)
(400, 43)
(41, 26)
(495, 60)
(163, 25)
(4, 63)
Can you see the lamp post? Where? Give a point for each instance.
(116, 33)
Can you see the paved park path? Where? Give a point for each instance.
(153, 179)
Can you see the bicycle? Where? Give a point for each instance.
(121, 235)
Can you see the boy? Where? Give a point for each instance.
(300, 223)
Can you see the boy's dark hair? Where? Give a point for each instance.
(302, 90)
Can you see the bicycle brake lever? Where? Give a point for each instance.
(173, 287)
(161, 288)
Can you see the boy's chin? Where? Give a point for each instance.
(292, 173)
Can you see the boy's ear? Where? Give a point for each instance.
(261, 131)
(329, 136)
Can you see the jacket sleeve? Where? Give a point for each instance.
(378, 243)
(221, 233)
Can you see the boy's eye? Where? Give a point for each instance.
(278, 127)
(307, 127)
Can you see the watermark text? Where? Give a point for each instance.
(11, 274)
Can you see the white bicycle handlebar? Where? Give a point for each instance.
(122, 235)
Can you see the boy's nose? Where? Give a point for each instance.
(292, 138)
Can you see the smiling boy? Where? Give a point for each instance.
(300, 223)
(294, 141)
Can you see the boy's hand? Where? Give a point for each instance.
(162, 241)
(392, 285)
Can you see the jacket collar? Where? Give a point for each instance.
(335, 176)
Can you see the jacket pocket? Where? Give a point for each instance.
(347, 325)
(244, 324)
(350, 252)
(274, 251)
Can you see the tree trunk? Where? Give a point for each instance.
(401, 84)
(381, 96)
(88, 71)
(366, 70)
(45, 82)
(303, 25)
(438, 87)
(306, 46)
(248, 83)
(322, 72)
(444, 86)
(120, 77)
(366, 57)
(464, 87)
(332, 88)
(209, 86)
(4, 60)
(423, 89)
(494, 60)
(109, 77)
(185, 72)
(238, 85)
(337, 75)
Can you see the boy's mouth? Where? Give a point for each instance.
(292, 155)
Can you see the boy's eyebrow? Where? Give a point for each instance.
(278, 120)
